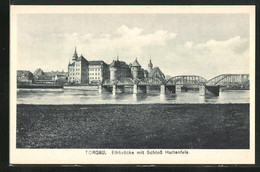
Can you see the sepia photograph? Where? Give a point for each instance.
(132, 85)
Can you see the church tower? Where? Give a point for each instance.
(75, 55)
(150, 66)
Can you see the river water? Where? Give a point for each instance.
(74, 96)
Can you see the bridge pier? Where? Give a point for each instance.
(209, 90)
(100, 89)
(178, 88)
(147, 89)
(202, 90)
(162, 89)
(114, 89)
(135, 89)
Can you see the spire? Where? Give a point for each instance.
(75, 56)
(150, 65)
(117, 58)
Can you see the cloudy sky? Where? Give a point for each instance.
(197, 44)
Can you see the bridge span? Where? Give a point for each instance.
(177, 84)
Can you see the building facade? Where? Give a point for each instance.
(24, 77)
(98, 71)
(82, 71)
(78, 70)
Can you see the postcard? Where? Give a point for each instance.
(132, 84)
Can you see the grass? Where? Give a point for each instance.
(183, 126)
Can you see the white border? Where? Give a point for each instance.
(78, 156)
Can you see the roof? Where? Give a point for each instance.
(72, 64)
(136, 64)
(156, 73)
(113, 64)
(97, 62)
(39, 72)
(21, 72)
(81, 58)
(117, 63)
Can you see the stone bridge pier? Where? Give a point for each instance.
(206, 90)
(162, 89)
(178, 88)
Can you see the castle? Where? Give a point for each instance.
(82, 71)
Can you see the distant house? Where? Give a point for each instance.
(41, 78)
(24, 76)
(61, 76)
(61, 79)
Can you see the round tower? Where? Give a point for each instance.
(135, 69)
(150, 66)
(113, 70)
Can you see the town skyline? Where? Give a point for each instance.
(179, 44)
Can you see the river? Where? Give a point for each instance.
(74, 96)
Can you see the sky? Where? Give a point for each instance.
(179, 44)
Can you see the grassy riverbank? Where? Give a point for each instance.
(184, 126)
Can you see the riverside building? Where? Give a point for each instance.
(82, 71)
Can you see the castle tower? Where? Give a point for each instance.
(135, 69)
(150, 66)
(75, 55)
(113, 70)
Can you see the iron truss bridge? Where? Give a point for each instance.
(230, 81)
(185, 80)
(224, 80)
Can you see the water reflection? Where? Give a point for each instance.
(72, 96)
